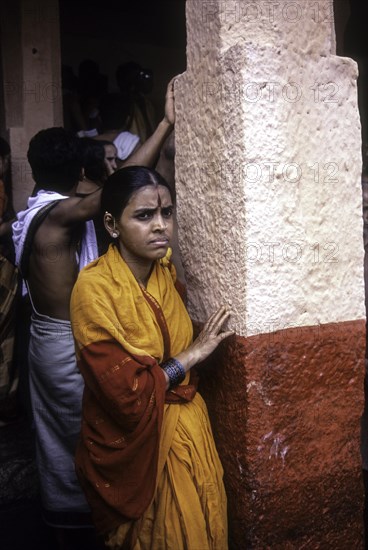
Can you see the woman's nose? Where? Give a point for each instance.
(160, 222)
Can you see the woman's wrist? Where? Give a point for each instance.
(187, 358)
(174, 371)
(179, 366)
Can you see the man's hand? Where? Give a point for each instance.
(170, 103)
(148, 153)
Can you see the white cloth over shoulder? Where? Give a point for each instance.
(88, 250)
(125, 144)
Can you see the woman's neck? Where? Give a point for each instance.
(141, 269)
(142, 274)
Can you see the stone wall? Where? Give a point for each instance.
(31, 80)
(269, 206)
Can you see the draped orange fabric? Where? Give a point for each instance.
(123, 332)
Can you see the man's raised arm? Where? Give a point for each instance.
(147, 154)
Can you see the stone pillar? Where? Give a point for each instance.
(268, 163)
(31, 80)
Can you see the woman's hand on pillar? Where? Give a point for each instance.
(208, 339)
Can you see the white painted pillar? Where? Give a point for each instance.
(268, 176)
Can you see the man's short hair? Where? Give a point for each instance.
(54, 156)
(93, 159)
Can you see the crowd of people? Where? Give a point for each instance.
(124, 448)
(90, 110)
(125, 454)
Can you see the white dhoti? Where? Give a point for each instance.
(56, 388)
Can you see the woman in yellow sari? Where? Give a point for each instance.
(146, 460)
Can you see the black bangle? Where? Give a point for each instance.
(174, 370)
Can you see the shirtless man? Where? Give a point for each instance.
(53, 266)
(61, 245)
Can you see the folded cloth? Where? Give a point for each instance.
(87, 133)
(20, 227)
(56, 388)
(125, 144)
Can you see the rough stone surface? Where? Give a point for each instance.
(285, 409)
(268, 167)
(269, 208)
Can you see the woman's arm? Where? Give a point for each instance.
(122, 384)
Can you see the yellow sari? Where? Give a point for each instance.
(147, 459)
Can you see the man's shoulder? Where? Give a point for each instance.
(55, 228)
(60, 215)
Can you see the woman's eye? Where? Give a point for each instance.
(144, 215)
(167, 212)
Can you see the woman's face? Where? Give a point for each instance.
(145, 226)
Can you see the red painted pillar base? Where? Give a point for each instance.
(285, 409)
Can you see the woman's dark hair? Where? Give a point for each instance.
(93, 159)
(121, 185)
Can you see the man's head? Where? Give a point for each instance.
(110, 158)
(54, 156)
(93, 160)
